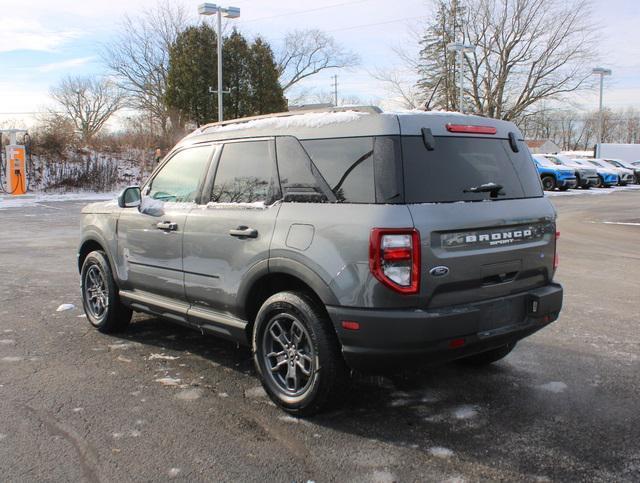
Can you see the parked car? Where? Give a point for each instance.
(554, 176)
(331, 241)
(624, 175)
(635, 169)
(607, 177)
(585, 176)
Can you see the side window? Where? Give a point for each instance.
(245, 174)
(299, 178)
(347, 165)
(179, 179)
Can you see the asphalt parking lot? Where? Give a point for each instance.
(161, 402)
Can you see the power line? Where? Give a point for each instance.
(299, 12)
(353, 27)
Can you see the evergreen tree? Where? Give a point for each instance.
(266, 93)
(192, 70)
(237, 79)
(249, 72)
(438, 68)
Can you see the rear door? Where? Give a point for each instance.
(228, 236)
(492, 243)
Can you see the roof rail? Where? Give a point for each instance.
(297, 112)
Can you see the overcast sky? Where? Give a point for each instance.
(42, 41)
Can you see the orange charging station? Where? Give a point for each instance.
(16, 170)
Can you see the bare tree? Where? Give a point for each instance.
(307, 52)
(400, 87)
(138, 58)
(527, 51)
(88, 102)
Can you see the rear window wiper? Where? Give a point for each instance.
(493, 189)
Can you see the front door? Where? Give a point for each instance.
(232, 233)
(150, 237)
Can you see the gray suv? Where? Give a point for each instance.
(333, 241)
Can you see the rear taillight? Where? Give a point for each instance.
(556, 260)
(394, 258)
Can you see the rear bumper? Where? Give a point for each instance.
(392, 338)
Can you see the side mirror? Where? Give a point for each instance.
(130, 197)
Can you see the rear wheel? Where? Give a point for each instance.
(488, 357)
(563, 188)
(548, 183)
(100, 297)
(297, 354)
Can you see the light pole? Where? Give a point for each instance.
(461, 48)
(601, 71)
(229, 12)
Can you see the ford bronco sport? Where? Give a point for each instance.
(332, 241)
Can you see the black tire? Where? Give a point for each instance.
(488, 357)
(563, 188)
(600, 182)
(100, 297)
(548, 183)
(295, 315)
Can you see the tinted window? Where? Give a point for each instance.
(180, 178)
(458, 164)
(299, 178)
(245, 174)
(347, 166)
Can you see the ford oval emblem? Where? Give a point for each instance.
(440, 271)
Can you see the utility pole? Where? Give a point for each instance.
(229, 12)
(335, 90)
(601, 71)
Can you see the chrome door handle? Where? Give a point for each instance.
(244, 232)
(167, 226)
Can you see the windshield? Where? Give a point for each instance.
(467, 169)
(595, 163)
(546, 162)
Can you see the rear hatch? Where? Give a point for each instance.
(486, 230)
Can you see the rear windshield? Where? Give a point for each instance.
(457, 165)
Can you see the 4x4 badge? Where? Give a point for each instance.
(440, 271)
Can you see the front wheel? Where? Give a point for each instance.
(488, 357)
(297, 354)
(548, 183)
(600, 182)
(100, 297)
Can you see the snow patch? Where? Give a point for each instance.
(309, 120)
(77, 410)
(34, 200)
(122, 346)
(440, 452)
(163, 357)
(168, 381)
(189, 394)
(554, 386)
(7, 341)
(257, 205)
(65, 307)
(12, 359)
(173, 472)
(383, 477)
(151, 206)
(465, 412)
(123, 359)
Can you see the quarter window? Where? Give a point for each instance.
(179, 179)
(347, 165)
(245, 174)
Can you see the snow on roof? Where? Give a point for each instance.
(307, 120)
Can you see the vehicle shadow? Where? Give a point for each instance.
(522, 413)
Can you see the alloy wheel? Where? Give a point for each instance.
(96, 292)
(288, 354)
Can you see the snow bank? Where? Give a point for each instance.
(32, 200)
